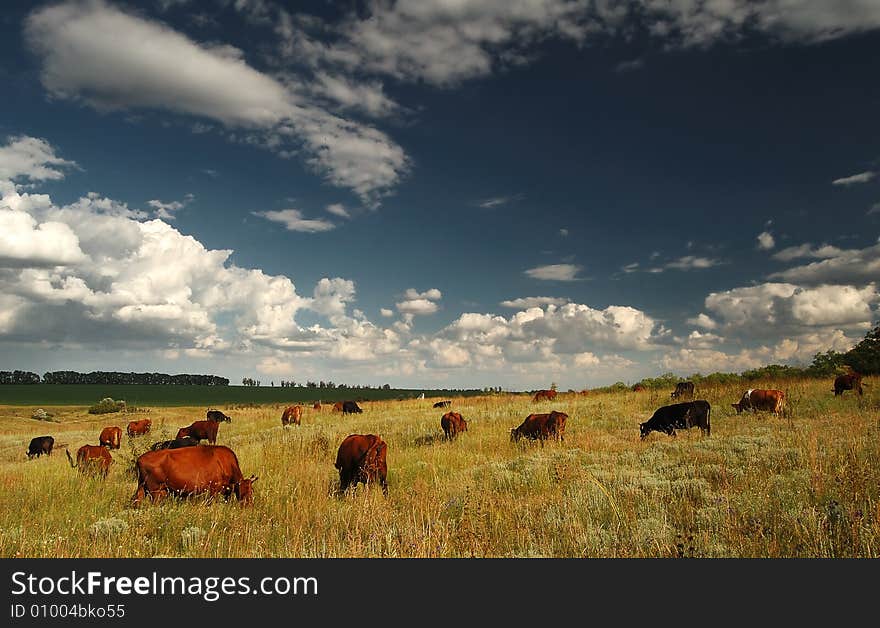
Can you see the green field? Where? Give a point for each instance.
(165, 395)
(806, 484)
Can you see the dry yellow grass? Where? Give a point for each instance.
(807, 484)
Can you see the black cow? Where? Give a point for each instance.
(40, 445)
(442, 404)
(850, 381)
(177, 443)
(683, 389)
(219, 417)
(350, 407)
(680, 416)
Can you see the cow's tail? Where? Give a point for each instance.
(708, 422)
(70, 459)
(374, 455)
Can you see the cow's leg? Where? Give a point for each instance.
(139, 495)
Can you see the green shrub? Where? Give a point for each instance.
(107, 405)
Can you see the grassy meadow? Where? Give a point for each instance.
(803, 485)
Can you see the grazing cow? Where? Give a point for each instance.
(139, 428)
(453, 423)
(850, 381)
(541, 427)
(337, 407)
(92, 459)
(110, 437)
(755, 399)
(680, 416)
(189, 471)
(200, 430)
(638, 388)
(361, 458)
(545, 395)
(683, 390)
(216, 415)
(292, 414)
(317, 406)
(39, 446)
(350, 407)
(442, 404)
(177, 443)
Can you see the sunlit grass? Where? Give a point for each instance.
(805, 484)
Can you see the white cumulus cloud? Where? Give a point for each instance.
(555, 272)
(861, 177)
(112, 59)
(293, 220)
(766, 241)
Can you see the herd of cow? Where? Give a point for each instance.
(181, 467)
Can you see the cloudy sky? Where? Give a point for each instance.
(437, 192)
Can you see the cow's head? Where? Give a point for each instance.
(182, 432)
(463, 427)
(738, 406)
(514, 435)
(244, 490)
(644, 430)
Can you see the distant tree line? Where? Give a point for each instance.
(19, 377)
(249, 381)
(863, 358)
(110, 377)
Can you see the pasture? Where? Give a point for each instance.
(803, 485)
(160, 395)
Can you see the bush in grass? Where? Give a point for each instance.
(192, 536)
(42, 415)
(107, 405)
(107, 528)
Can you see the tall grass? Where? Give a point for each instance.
(803, 485)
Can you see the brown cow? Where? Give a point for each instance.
(191, 470)
(545, 395)
(453, 423)
(638, 388)
(92, 459)
(361, 458)
(761, 399)
(541, 427)
(139, 428)
(292, 414)
(317, 406)
(850, 381)
(337, 407)
(110, 437)
(200, 430)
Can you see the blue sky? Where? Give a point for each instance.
(437, 193)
